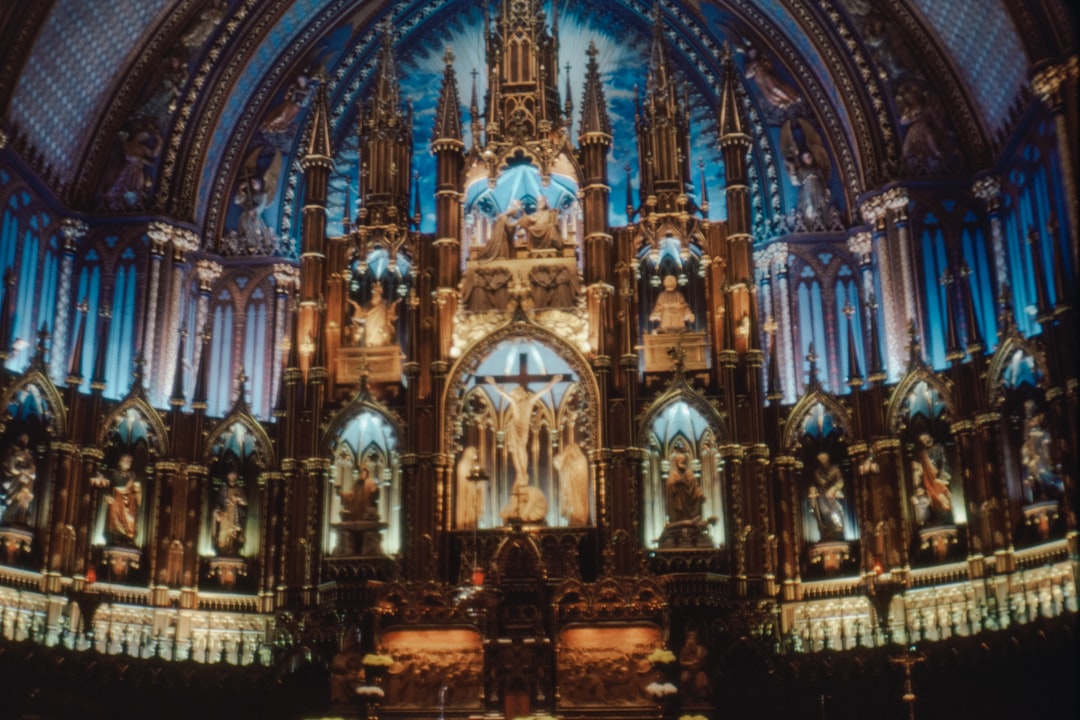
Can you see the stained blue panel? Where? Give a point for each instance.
(80, 54)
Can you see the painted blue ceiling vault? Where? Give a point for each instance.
(227, 84)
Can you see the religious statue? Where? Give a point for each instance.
(203, 26)
(281, 119)
(923, 148)
(671, 310)
(360, 502)
(253, 195)
(131, 187)
(682, 491)
(374, 324)
(230, 517)
(774, 91)
(501, 242)
(930, 473)
(1041, 478)
(17, 484)
(518, 426)
(573, 469)
(807, 164)
(169, 86)
(123, 503)
(826, 499)
(553, 286)
(470, 490)
(542, 227)
(693, 680)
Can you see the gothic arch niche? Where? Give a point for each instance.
(522, 421)
(132, 438)
(1032, 449)
(683, 487)
(233, 502)
(931, 478)
(33, 415)
(826, 509)
(672, 306)
(363, 501)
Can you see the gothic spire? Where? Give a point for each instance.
(854, 378)
(732, 124)
(75, 365)
(594, 113)
(97, 380)
(877, 366)
(773, 390)
(447, 131)
(953, 351)
(318, 147)
(813, 382)
(202, 379)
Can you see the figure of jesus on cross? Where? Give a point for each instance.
(519, 414)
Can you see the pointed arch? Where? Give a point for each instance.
(898, 408)
(263, 446)
(796, 420)
(1014, 348)
(38, 382)
(157, 435)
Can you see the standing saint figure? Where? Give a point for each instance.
(671, 310)
(573, 469)
(684, 495)
(123, 504)
(17, 482)
(376, 319)
(933, 496)
(229, 517)
(470, 493)
(826, 499)
(360, 502)
(501, 242)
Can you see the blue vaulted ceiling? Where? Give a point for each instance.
(93, 66)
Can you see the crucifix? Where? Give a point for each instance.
(519, 415)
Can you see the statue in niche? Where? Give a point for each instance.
(826, 497)
(923, 147)
(542, 226)
(19, 474)
(168, 88)
(933, 497)
(682, 491)
(671, 311)
(807, 164)
(502, 236)
(253, 195)
(1041, 478)
(122, 503)
(471, 500)
(204, 25)
(230, 516)
(693, 680)
(374, 324)
(130, 189)
(360, 502)
(280, 122)
(573, 469)
(774, 91)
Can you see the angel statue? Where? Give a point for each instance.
(807, 164)
(253, 194)
(759, 68)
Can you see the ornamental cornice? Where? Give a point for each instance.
(872, 209)
(208, 271)
(1048, 82)
(896, 199)
(860, 243)
(285, 277)
(987, 188)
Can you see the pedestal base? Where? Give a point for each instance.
(359, 537)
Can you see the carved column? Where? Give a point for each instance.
(72, 231)
(208, 271)
(159, 234)
(890, 534)
(988, 189)
(891, 276)
(785, 468)
(87, 495)
(1056, 87)
(285, 279)
(190, 524)
(183, 242)
(785, 337)
(271, 538)
(171, 506)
